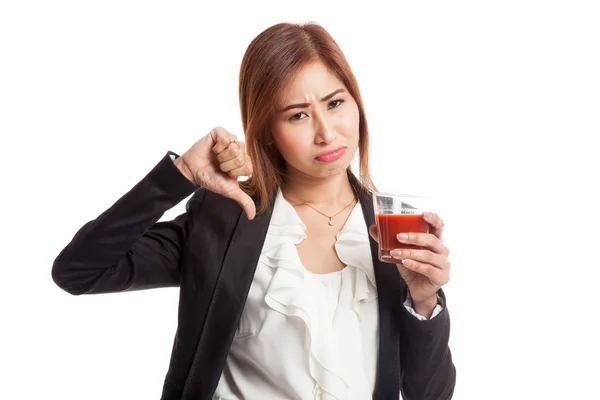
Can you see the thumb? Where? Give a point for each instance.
(245, 201)
(373, 233)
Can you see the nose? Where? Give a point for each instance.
(324, 134)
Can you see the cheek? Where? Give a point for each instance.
(286, 142)
(351, 121)
(289, 145)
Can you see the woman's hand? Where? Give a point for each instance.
(215, 162)
(424, 270)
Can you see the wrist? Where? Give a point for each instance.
(183, 168)
(425, 307)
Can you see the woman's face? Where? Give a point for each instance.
(315, 127)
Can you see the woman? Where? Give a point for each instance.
(286, 300)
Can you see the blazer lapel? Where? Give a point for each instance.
(227, 303)
(389, 288)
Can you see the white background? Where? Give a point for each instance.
(494, 106)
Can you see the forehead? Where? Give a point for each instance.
(314, 79)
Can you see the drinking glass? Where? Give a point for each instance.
(398, 213)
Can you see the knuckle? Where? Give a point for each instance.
(431, 272)
(223, 134)
(433, 241)
(419, 239)
(239, 161)
(429, 257)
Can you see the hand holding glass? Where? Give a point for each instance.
(394, 214)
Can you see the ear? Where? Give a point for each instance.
(270, 140)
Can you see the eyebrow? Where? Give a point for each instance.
(304, 105)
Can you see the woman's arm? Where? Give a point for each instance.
(125, 248)
(427, 371)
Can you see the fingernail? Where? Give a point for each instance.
(402, 236)
(427, 215)
(396, 253)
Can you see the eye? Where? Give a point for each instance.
(338, 103)
(296, 117)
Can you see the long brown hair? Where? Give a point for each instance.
(269, 63)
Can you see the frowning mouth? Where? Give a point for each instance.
(331, 155)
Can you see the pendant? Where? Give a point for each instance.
(331, 222)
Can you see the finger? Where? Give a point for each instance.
(423, 256)
(232, 151)
(232, 140)
(426, 240)
(437, 277)
(373, 233)
(221, 139)
(236, 163)
(245, 201)
(245, 170)
(436, 223)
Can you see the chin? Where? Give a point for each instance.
(327, 171)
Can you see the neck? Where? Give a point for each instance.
(332, 191)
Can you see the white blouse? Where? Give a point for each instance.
(303, 335)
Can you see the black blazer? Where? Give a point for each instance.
(211, 252)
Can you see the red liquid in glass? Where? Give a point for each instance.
(389, 225)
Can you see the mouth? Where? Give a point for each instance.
(331, 155)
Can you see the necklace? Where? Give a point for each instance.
(331, 222)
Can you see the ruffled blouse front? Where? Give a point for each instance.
(305, 335)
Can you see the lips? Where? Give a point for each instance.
(331, 155)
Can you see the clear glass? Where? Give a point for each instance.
(398, 213)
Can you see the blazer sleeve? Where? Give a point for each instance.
(427, 369)
(125, 248)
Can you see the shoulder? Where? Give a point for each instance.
(206, 202)
(216, 217)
